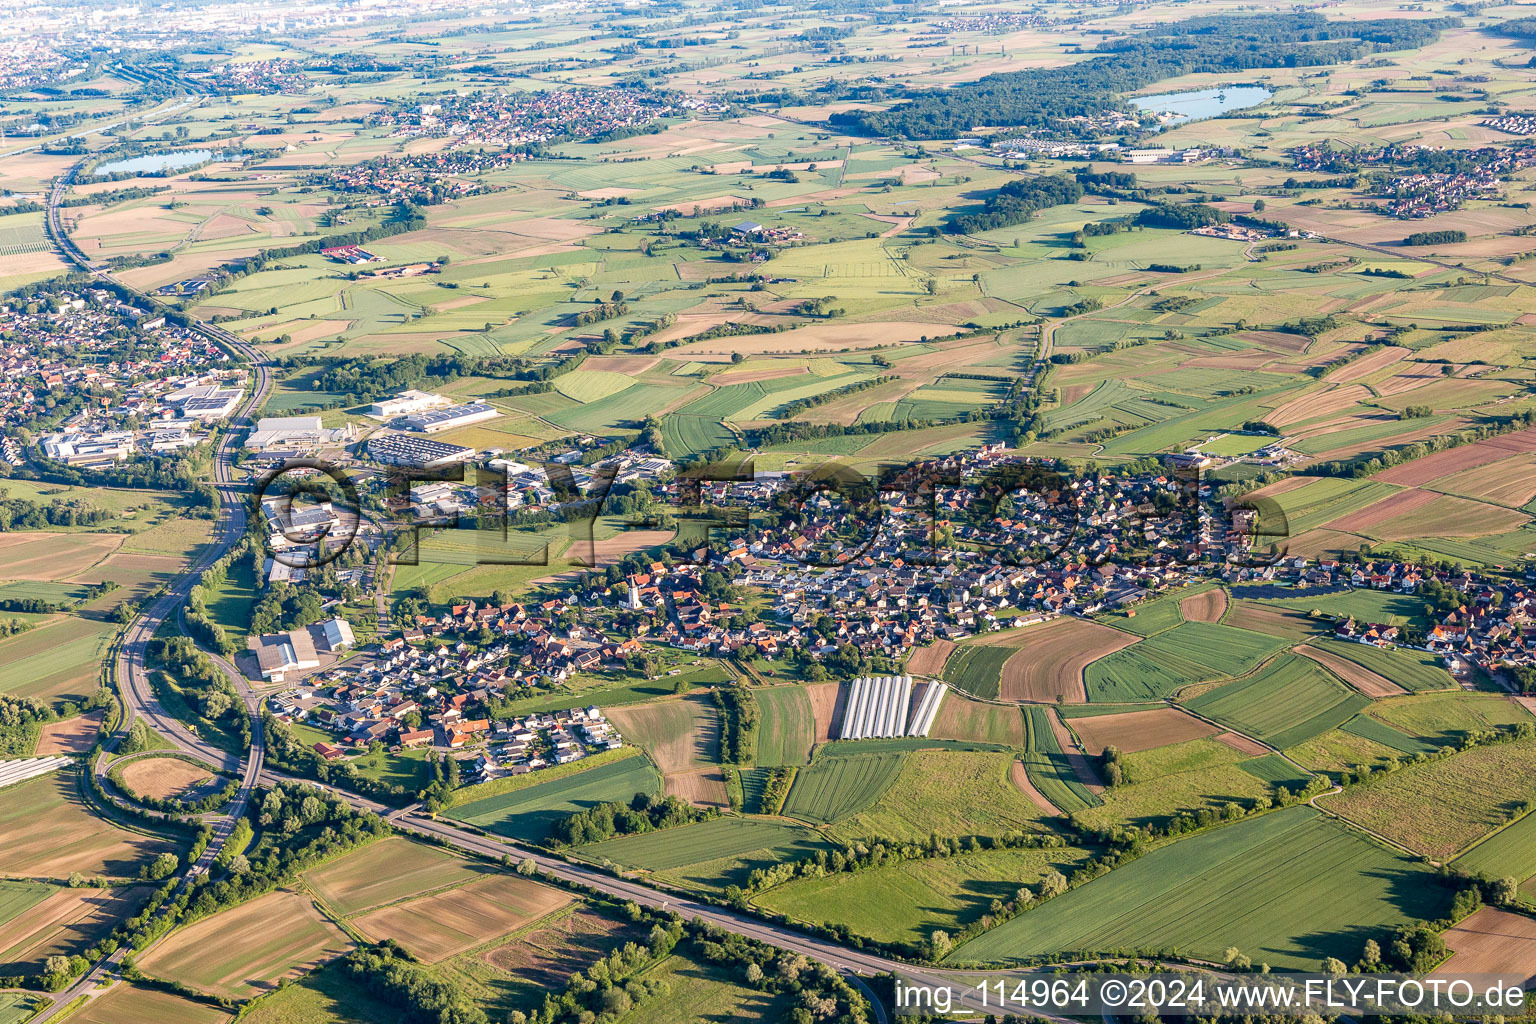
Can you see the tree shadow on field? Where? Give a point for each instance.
(1417, 895)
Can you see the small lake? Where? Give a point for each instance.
(1201, 103)
(174, 161)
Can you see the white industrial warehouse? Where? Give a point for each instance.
(881, 707)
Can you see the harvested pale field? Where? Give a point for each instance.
(1313, 543)
(1072, 392)
(1492, 941)
(66, 922)
(928, 661)
(448, 923)
(1450, 516)
(1209, 606)
(1282, 341)
(1367, 365)
(827, 703)
(547, 956)
(680, 735)
(1510, 482)
(248, 949)
(53, 556)
(385, 871)
(749, 376)
(163, 778)
(1282, 622)
(1020, 778)
(1373, 515)
(1052, 657)
(1410, 378)
(825, 337)
(73, 736)
(1421, 430)
(1139, 730)
(1242, 744)
(1313, 404)
(961, 718)
(1361, 678)
(127, 1004)
(1455, 460)
(47, 831)
(703, 787)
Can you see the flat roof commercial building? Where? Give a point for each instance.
(405, 403)
(433, 420)
(405, 450)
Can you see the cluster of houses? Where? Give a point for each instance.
(424, 179)
(1412, 196)
(147, 387)
(511, 118)
(263, 77)
(406, 696)
(1513, 124)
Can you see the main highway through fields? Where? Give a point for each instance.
(130, 667)
(133, 680)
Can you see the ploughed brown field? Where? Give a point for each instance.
(1139, 730)
(929, 661)
(1492, 941)
(1209, 606)
(1052, 657)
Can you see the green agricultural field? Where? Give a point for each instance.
(1179, 777)
(1047, 766)
(57, 661)
(16, 897)
(977, 668)
(1377, 731)
(1508, 853)
(954, 792)
(531, 812)
(1361, 604)
(325, 996)
(1412, 670)
(1276, 770)
(1166, 662)
(833, 788)
(706, 841)
(696, 991)
(787, 728)
(1292, 887)
(18, 1007)
(1328, 498)
(1289, 701)
(1440, 807)
(1446, 718)
(1156, 615)
(906, 902)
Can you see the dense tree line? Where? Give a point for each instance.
(199, 681)
(1182, 216)
(644, 813)
(25, 514)
(1442, 237)
(1018, 201)
(1217, 44)
(738, 722)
